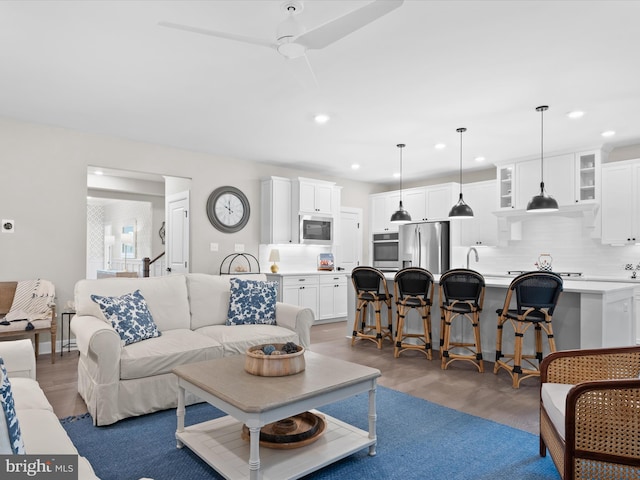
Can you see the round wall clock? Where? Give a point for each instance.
(228, 209)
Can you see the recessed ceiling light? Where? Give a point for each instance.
(321, 118)
(396, 175)
(480, 159)
(98, 172)
(439, 146)
(576, 114)
(608, 133)
(355, 166)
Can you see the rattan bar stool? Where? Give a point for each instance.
(537, 295)
(413, 288)
(462, 297)
(371, 288)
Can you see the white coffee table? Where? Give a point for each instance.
(257, 401)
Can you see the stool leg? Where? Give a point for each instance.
(426, 325)
(357, 321)
(442, 314)
(399, 330)
(517, 354)
(501, 321)
(550, 337)
(390, 319)
(476, 333)
(444, 353)
(378, 306)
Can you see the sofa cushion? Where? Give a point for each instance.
(166, 297)
(129, 316)
(554, 398)
(161, 354)
(252, 302)
(9, 411)
(237, 339)
(28, 395)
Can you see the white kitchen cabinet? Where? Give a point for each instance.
(314, 196)
(482, 229)
(636, 309)
(587, 168)
(301, 291)
(332, 302)
(506, 187)
(569, 178)
(440, 199)
(430, 203)
(620, 209)
(276, 216)
(382, 207)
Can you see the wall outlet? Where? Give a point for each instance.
(8, 226)
(213, 247)
(239, 248)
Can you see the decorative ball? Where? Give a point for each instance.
(268, 349)
(290, 347)
(276, 352)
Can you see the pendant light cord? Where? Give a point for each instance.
(400, 146)
(541, 109)
(461, 131)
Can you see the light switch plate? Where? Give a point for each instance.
(8, 226)
(239, 247)
(213, 247)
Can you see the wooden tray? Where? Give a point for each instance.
(292, 432)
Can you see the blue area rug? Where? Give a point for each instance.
(416, 440)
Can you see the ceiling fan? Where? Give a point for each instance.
(292, 40)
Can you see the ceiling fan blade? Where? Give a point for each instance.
(301, 69)
(336, 29)
(213, 33)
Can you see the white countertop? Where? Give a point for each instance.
(570, 286)
(301, 273)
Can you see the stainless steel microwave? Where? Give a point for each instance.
(316, 230)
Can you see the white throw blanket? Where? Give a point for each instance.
(32, 301)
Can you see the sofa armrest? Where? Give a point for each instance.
(19, 358)
(576, 366)
(298, 319)
(99, 342)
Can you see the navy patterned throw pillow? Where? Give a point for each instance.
(129, 316)
(9, 412)
(252, 302)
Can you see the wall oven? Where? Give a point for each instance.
(386, 251)
(316, 230)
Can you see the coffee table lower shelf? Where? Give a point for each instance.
(218, 442)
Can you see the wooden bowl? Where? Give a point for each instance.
(274, 365)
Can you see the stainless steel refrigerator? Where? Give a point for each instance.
(425, 245)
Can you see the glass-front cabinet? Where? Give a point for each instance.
(587, 179)
(506, 186)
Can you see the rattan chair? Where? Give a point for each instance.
(461, 296)
(371, 288)
(536, 294)
(413, 288)
(590, 412)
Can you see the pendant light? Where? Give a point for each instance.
(461, 210)
(543, 202)
(401, 215)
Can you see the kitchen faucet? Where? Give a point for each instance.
(468, 252)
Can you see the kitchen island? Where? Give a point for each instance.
(589, 314)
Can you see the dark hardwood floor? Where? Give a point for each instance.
(460, 386)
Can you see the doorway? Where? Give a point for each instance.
(126, 221)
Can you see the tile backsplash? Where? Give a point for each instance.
(565, 239)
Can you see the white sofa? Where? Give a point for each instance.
(190, 311)
(41, 430)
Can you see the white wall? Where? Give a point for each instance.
(44, 187)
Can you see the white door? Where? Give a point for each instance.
(177, 232)
(349, 249)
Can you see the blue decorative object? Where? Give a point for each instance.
(129, 316)
(252, 302)
(268, 349)
(9, 412)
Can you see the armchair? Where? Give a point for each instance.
(590, 412)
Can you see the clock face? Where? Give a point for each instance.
(228, 209)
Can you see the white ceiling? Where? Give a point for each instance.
(412, 76)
